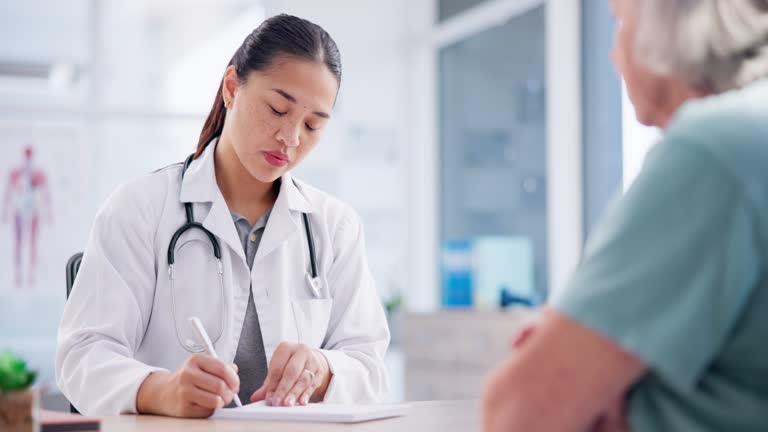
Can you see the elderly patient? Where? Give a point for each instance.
(668, 311)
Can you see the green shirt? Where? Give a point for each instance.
(677, 271)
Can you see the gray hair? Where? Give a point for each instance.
(716, 45)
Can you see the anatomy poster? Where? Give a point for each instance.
(41, 188)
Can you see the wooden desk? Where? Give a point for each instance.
(442, 416)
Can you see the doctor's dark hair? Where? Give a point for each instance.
(277, 36)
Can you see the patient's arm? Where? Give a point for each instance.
(562, 377)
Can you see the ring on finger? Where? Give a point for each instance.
(311, 375)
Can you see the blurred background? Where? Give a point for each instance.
(478, 139)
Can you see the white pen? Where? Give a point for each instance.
(197, 326)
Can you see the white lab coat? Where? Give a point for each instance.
(118, 324)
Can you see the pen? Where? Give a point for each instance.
(197, 326)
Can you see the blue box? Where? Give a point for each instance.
(456, 265)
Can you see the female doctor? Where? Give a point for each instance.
(290, 305)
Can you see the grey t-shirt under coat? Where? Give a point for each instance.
(250, 357)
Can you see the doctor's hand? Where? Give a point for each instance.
(201, 385)
(297, 374)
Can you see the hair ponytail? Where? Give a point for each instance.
(214, 124)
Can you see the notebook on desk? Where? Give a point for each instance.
(54, 421)
(321, 413)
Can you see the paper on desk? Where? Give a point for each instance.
(321, 412)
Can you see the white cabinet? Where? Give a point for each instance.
(448, 354)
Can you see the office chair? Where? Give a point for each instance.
(73, 265)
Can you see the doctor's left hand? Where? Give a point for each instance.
(297, 374)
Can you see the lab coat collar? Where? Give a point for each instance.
(199, 182)
(285, 218)
(199, 185)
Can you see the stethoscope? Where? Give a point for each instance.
(191, 346)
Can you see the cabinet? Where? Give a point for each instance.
(448, 354)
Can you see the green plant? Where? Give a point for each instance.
(14, 374)
(393, 304)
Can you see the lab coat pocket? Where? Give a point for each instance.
(312, 317)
